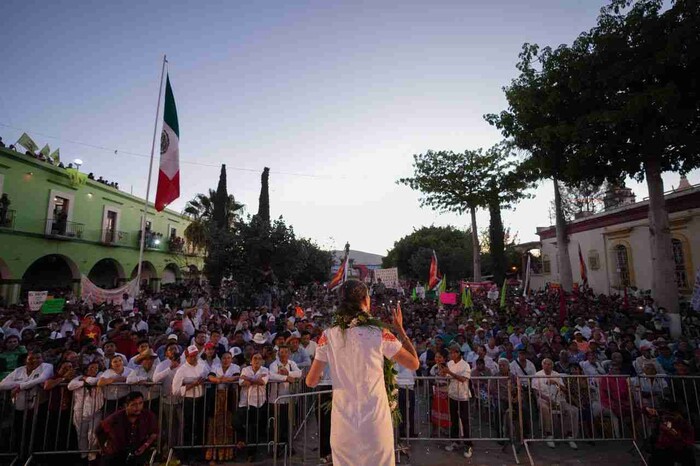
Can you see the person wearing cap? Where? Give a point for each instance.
(164, 375)
(297, 353)
(647, 358)
(259, 339)
(172, 338)
(283, 372)
(188, 384)
(209, 358)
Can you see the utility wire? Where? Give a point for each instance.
(189, 162)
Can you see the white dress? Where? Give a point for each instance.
(361, 429)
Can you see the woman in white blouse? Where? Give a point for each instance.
(87, 404)
(113, 382)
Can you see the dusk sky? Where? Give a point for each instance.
(334, 97)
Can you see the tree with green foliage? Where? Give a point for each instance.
(412, 253)
(622, 100)
(452, 182)
(220, 216)
(264, 200)
(458, 182)
(504, 186)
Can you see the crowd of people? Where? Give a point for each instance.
(210, 368)
(57, 162)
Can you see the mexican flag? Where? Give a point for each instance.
(169, 172)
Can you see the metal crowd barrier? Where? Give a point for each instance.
(210, 425)
(214, 426)
(570, 408)
(428, 413)
(68, 414)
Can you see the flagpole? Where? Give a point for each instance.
(148, 185)
(527, 276)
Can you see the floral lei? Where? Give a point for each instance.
(363, 319)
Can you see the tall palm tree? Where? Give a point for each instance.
(200, 211)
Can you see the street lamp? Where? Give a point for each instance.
(78, 163)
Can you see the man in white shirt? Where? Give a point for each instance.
(143, 377)
(188, 383)
(138, 324)
(406, 379)
(127, 303)
(251, 417)
(308, 344)
(25, 385)
(458, 371)
(283, 372)
(647, 358)
(550, 390)
(164, 374)
(522, 367)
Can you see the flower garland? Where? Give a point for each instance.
(391, 385)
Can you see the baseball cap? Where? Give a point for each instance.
(192, 349)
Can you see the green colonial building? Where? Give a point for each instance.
(56, 225)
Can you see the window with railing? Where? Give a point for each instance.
(112, 236)
(679, 261)
(623, 264)
(61, 227)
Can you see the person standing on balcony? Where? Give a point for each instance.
(4, 209)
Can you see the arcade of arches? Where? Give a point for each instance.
(59, 274)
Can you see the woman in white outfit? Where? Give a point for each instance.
(361, 429)
(87, 405)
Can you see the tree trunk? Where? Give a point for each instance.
(566, 279)
(664, 288)
(475, 247)
(496, 241)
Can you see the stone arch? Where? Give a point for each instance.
(5, 273)
(171, 274)
(55, 273)
(148, 271)
(107, 273)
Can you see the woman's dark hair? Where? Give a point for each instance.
(352, 293)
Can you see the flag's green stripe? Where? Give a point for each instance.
(170, 111)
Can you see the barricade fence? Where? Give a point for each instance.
(223, 421)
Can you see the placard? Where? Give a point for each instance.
(390, 277)
(448, 298)
(53, 306)
(36, 299)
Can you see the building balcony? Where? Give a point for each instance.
(153, 241)
(114, 237)
(176, 244)
(7, 220)
(58, 228)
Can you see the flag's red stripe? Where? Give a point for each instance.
(168, 190)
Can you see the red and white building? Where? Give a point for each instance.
(615, 243)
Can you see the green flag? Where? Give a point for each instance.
(27, 142)
(443, 284)
(414, 295)
(503, 294)
(467, 299)
(56, 157)
(45, 151)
